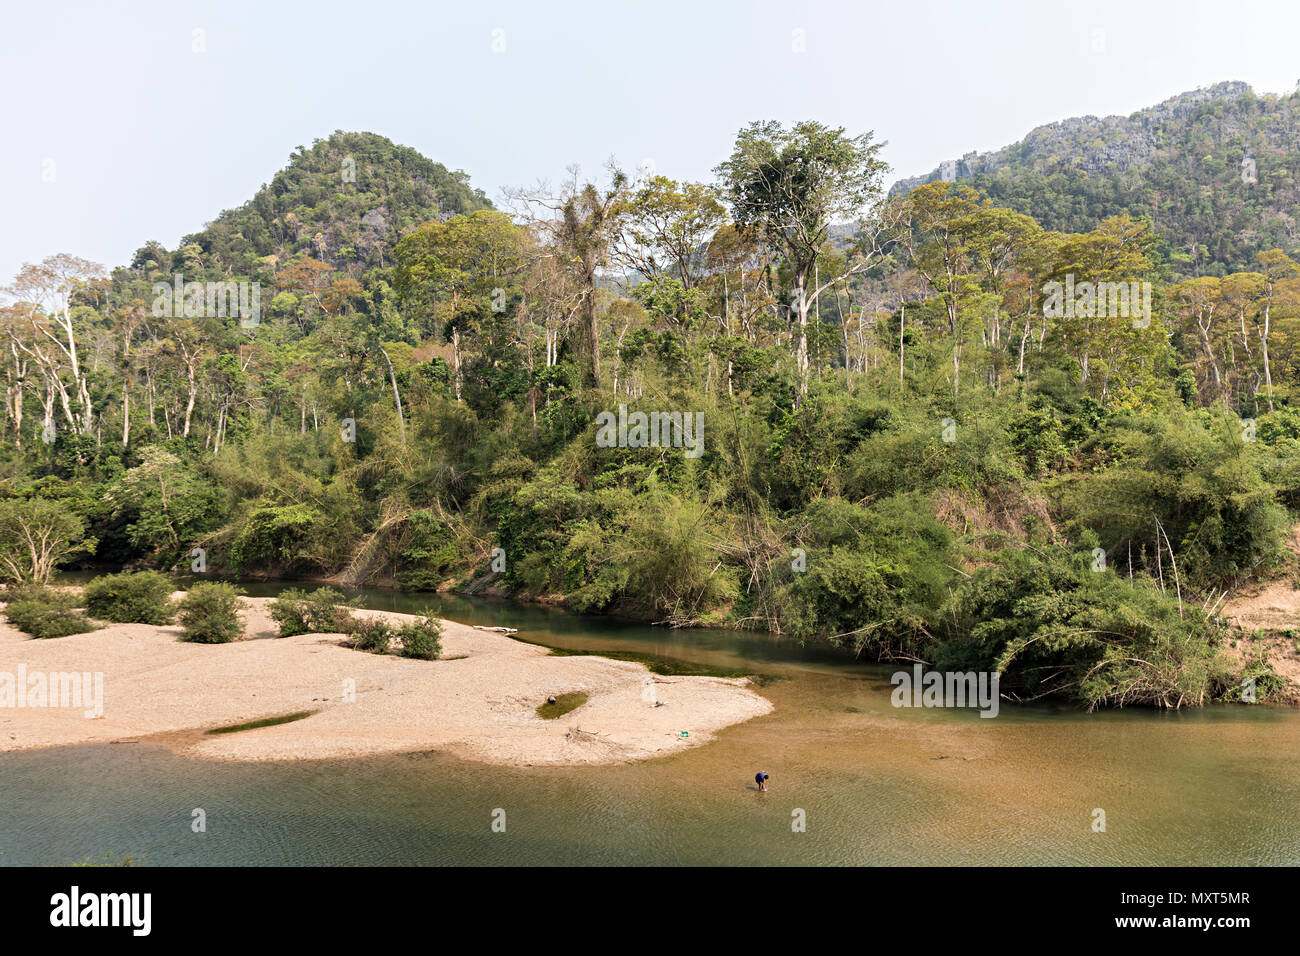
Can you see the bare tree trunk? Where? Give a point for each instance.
(397, 398)
(193, 394)
(1024, 338)
(801, 350)
(1263, 343)
(455, 355)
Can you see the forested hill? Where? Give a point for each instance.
(346, 201)
(896, 438)
(1185, 164)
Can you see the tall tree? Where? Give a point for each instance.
(46, 293)
(665, 227)
(791, 186)
(457, 272)
(1276, 267)
(581, 224)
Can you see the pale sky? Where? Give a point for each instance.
(145, 138)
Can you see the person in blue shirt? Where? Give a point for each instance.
(760, 778)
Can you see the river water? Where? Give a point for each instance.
(853, 781)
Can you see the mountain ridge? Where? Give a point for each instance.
(1216, 171)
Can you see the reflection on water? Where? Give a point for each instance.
(878, 785)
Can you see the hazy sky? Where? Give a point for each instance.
(145, 138)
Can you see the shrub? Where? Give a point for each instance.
(370, 634)
(875, 575)
(208, 614)
(43, 613)
(427, 560)
(321, 612)
(30, 591)
(289, 612)
(1052, 626)
(1179, 483)
(421, 639)
(132, 597)
(281, 538)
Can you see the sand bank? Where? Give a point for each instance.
(478, 702)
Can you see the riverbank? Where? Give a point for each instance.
(479, 701)
(1264, 618)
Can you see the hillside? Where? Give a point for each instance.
(346, 201)
(1185, 164)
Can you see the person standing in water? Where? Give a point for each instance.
(760, 778)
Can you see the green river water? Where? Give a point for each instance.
(874, 784)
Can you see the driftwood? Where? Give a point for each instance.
(498, 630)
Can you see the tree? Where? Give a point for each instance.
(1276, 266)
(938, 227)
(665, 227)
(457, 271)
(1196, 302)
(790, 186)
(165, 503)
(46, 293)
(581, 225)
(36, 536)
(1117, 251)
(312, 280)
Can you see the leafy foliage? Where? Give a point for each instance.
(44, 612)
(208, 614)
(320, 612)
(131, 597)
(421, 639)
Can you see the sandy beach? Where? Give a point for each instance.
(479, 701)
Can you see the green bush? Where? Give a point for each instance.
(132, 597)
(421, 639)
(1052, 625)
(427, 561)
(43, 613)
(208, 614)
(30, 591)
(278, 538)
(370, 634)
(1181, 482)
(321, 612)
(874, 575)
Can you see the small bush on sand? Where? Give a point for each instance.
(321, 612)
(43, 613)
(132, 597)
(371, 634)
(421, 639)
(209, 614)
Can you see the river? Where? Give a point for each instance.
(854, 780)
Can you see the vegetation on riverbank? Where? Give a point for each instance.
(901, 445)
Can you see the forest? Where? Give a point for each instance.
(903, 447)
